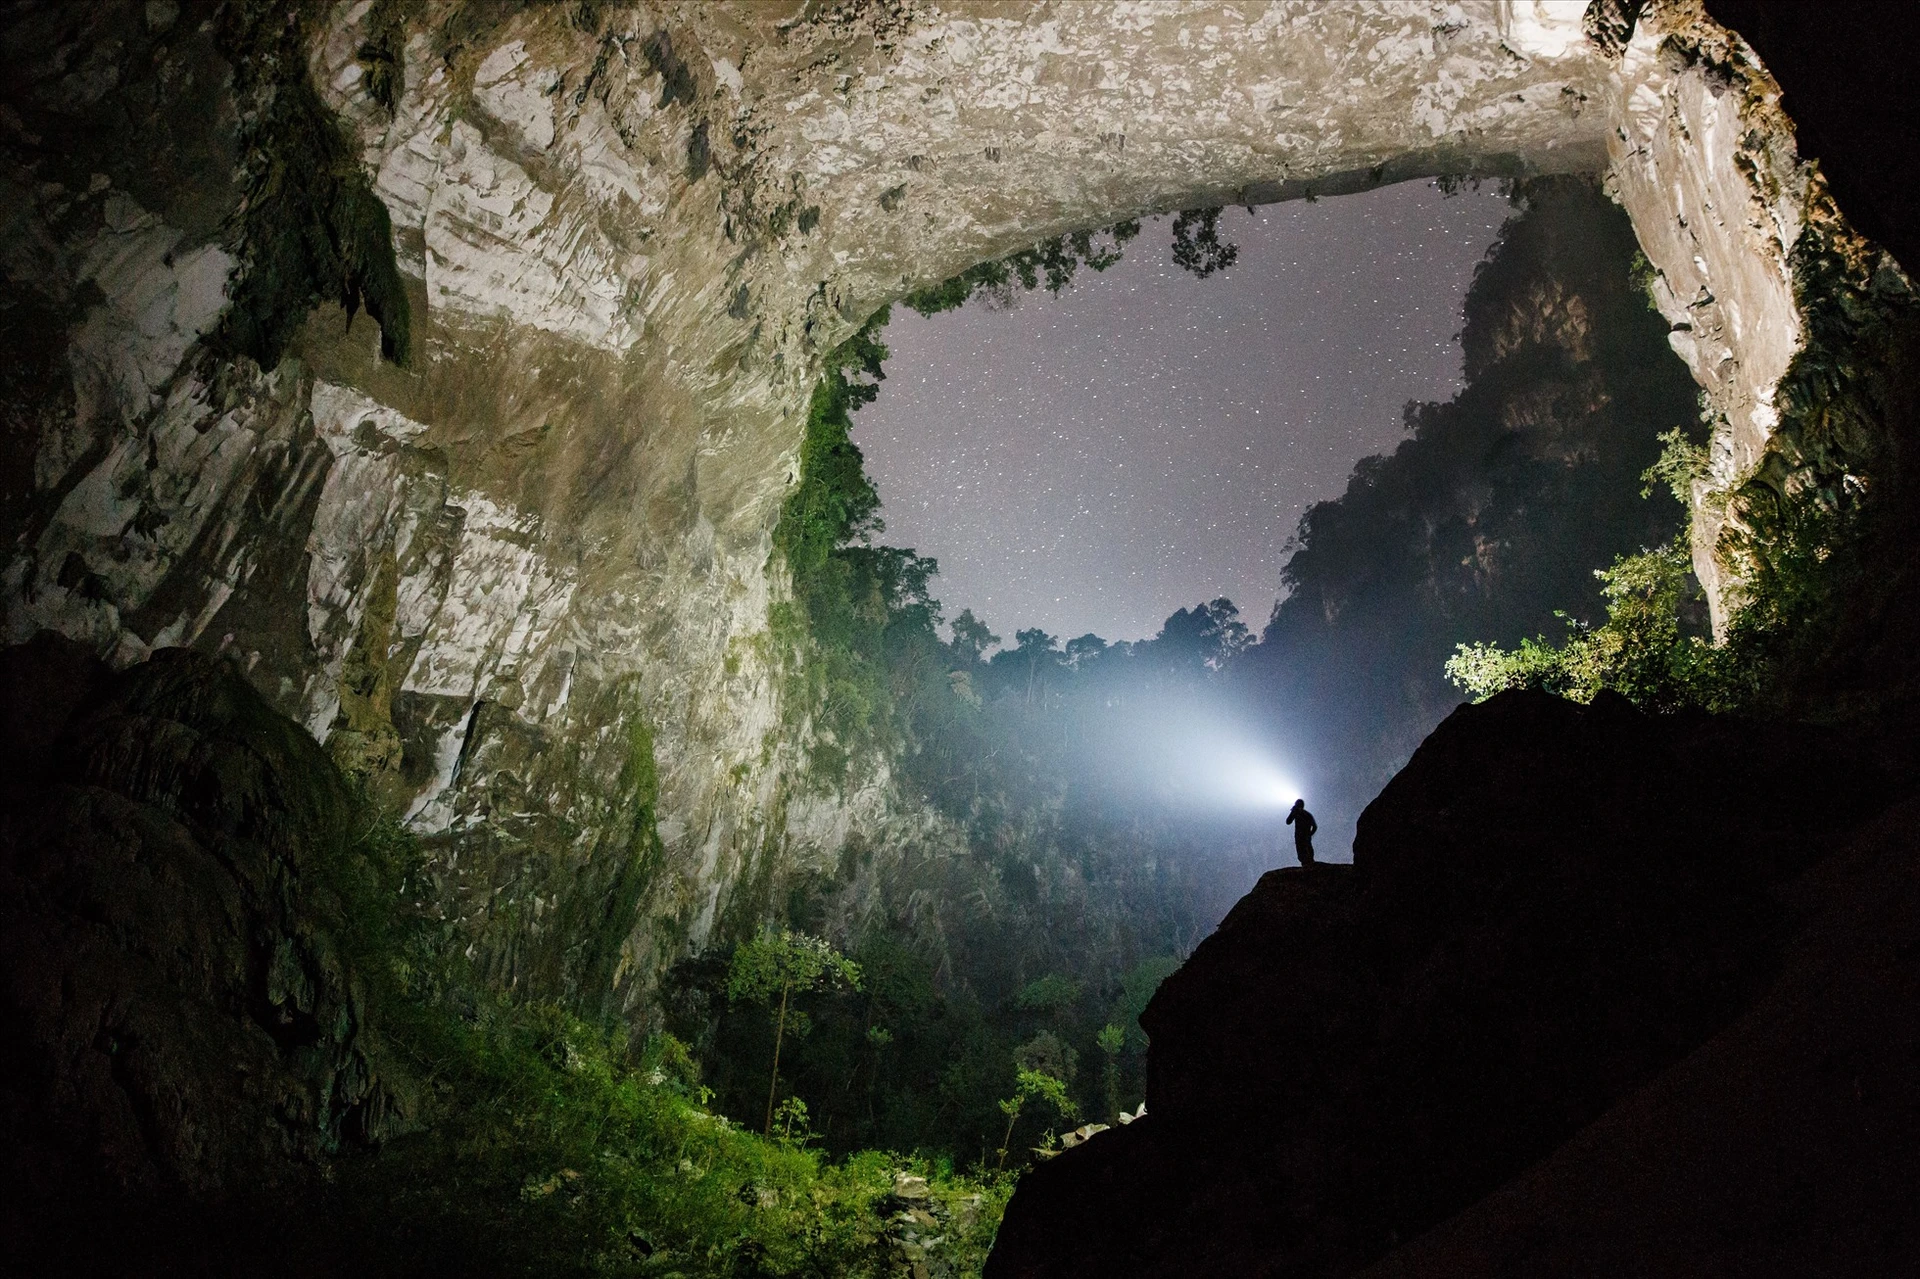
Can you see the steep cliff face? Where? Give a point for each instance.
(1491, 517)
(521, 584)
(1769, 290)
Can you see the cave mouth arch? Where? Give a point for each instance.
(630, 237)
(528, 585)
(1519, 470)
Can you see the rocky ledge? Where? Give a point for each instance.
(1652, 975)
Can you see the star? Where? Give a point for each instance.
(1148, 440)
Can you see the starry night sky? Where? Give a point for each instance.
(1148, 440)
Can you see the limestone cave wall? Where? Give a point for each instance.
(520, 581)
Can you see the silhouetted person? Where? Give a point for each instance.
(1303, 828)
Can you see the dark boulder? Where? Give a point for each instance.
(181, 1024)
(1549, 906)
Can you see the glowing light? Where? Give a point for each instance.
(1218, 768)
(1259, 784)
(1283, 794)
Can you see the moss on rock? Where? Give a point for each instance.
(309, 228)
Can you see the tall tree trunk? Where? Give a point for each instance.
(779, 1033)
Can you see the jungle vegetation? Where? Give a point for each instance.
(1812, 540)
(532, 1141)
(1489, 518)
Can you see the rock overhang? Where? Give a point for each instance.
(631, 238)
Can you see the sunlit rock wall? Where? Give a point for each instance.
(507, 582)
(1733, 220)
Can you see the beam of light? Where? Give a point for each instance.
(1252, 782)
(1223, 769)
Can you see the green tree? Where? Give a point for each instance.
(1029, 1085)
(1112, 1041)
(1084, 651)
(1197, 246)
(782, 963)
(971, 638)
(1036, 653)
(1052, 263)
(1206, 635)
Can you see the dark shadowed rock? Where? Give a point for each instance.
(1549, 906)
(1788, 1144)
(182, 1025)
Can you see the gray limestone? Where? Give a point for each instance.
(629, 247)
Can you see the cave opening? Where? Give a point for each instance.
(1117, 796)
(1089, 461)
(1113, 469)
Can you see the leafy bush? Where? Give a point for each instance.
(1681, 462)
(1640, 650)
(544, 1145)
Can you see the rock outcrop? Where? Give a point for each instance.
(1784, 1146)
(183, 1022)
(1549, 906)
(522, 584)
